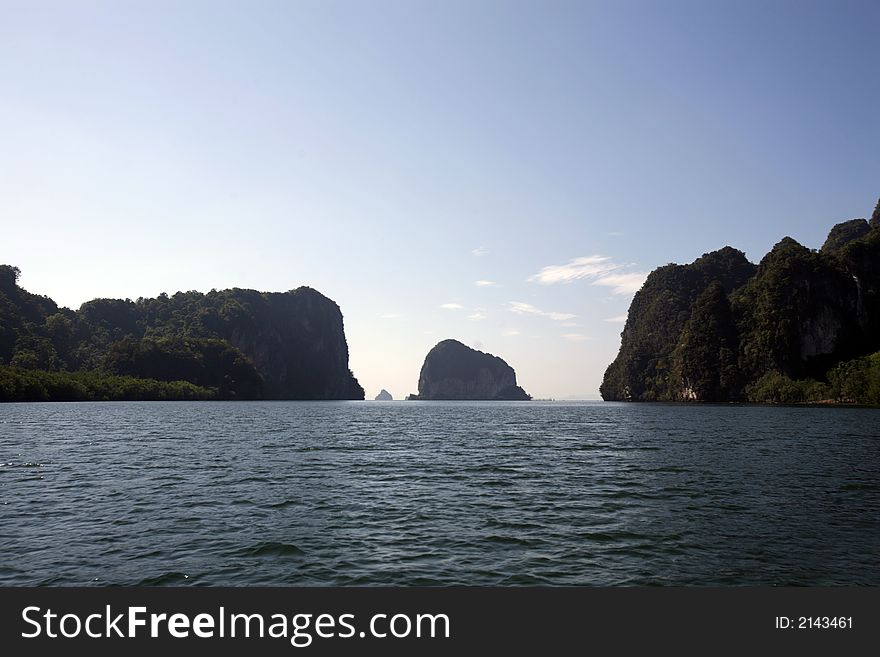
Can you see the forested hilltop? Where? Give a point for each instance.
(801, 326)
(231, 344)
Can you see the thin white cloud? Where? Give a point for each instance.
(477, 316)
(485, 283)
(623, 283)
(616, 233)
(569, 324)
(576, 337)
(601, 270)
(451, 306)
(480, 251)
(620, 319)
(522, 308)
(510, 333)
(575, 269)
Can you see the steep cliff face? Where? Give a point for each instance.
(297, 342)
(861, 259)
(709, 330)
(454, 371)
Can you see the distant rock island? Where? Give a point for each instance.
(384, 395)
(453, 371)
(802, 326)
(231, 344)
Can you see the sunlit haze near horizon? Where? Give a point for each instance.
(502, 173)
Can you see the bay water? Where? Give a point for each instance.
(438, 493)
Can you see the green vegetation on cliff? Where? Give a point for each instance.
(229, 344)
(657, 316)
(705, 358)
(793, 329)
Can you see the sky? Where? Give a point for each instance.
(502, 173)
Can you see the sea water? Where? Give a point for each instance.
(438, 493)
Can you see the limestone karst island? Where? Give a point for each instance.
(231, 344)
(801, 326)
(453, 371)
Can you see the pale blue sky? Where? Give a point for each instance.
(369, 149)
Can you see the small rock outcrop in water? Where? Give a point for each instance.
(384, 395)
(456, 372)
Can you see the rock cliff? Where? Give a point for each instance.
(711, 330)
(296, 341)
(844, 233)
(656, 318)
(454, 371)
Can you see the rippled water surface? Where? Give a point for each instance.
(421, 493)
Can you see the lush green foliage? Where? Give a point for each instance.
(776, 388)
(705, 360)
(206, 362)
(17, 384)
(857, 381)
(854, 381)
